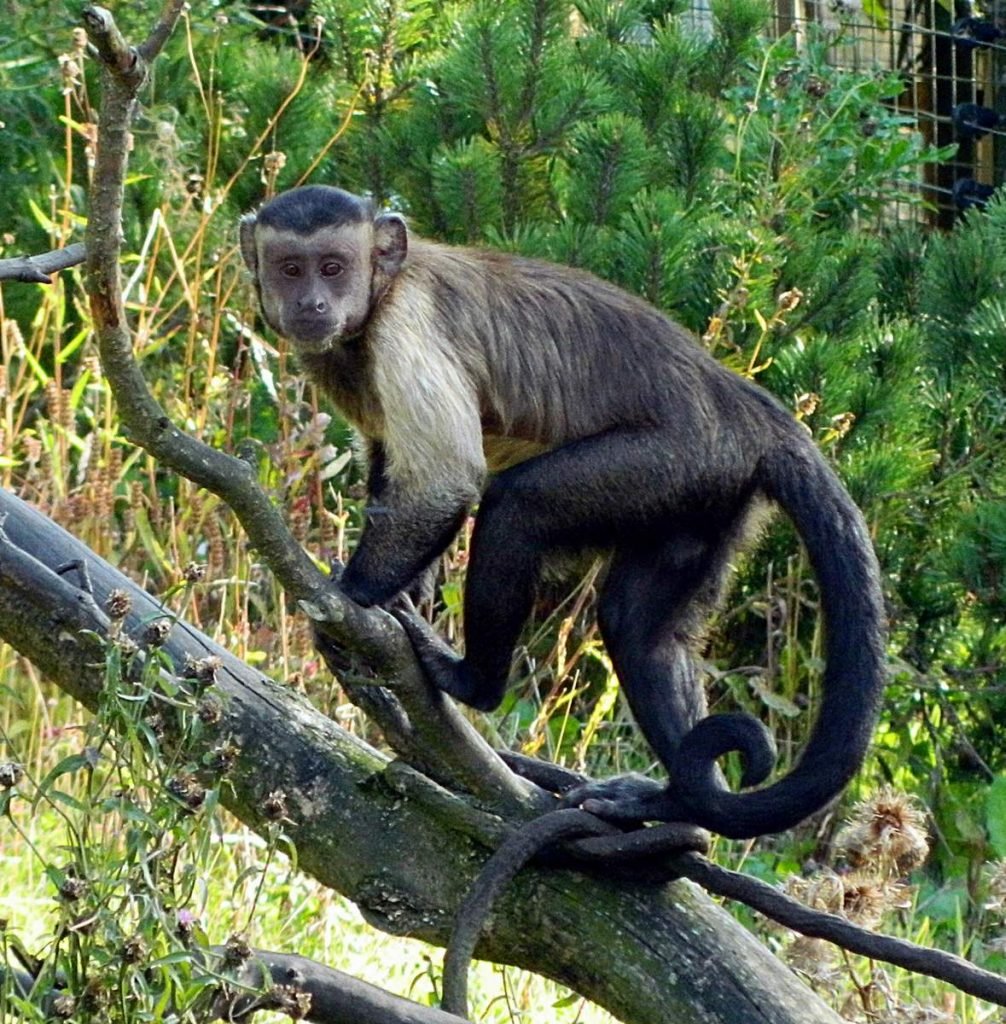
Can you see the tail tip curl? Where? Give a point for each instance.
(694, 768)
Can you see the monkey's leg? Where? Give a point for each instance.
(653, 604)
(599, 492)
(491, 629)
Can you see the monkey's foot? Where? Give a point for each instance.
(442, 665)
(626, 798)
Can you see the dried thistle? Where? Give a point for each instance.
(193, 573)
(185, 787)
(885, 834)
(72, 888)
(134, 949)
(814, 958)
(823, 891)
(788, 301)
(859, 897)
(118, 604)
(64, 1006)
(11, 774)
(237, 951)
(156, 633)
(221, 758)
(202, 671)
(274, 805)
(210, 710)
(866, 898)
(289, 999)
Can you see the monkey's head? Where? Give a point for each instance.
(321, 260)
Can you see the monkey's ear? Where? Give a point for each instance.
(391, 243)
(246, 228)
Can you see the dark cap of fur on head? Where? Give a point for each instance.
(306, 209)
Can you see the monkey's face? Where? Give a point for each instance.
(315, 289)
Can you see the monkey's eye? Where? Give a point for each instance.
(290, 270)
(331, 269)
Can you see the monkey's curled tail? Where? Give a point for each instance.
(836, 538)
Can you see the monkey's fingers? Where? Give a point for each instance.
(623, 799)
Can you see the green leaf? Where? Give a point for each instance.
(68, 765)
(995, 815)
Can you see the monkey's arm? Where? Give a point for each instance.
(426, 471)
(402, 536)
(422, 585)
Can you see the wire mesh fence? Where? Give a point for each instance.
(952, 59)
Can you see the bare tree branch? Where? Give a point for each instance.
(36, 269)
(441, 739)
(335, 997)
(280, 981)
(817, 924)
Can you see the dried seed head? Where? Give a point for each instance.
(822, 891)
(274, 162)
(807, 403)
(210, 710)
(134, 949)
(157, 632)
(221, 759)
(885, 833)
(237, 951)
(95, 998)
(194, 573)
(274, 805)
(816, 87)
(64, 1006)
(813, 957)
(290, 1000)
(185, 787)
(201, 670)
(127, 645)
(72, 888)
(118, 604)
(867, 899)
(788, 301)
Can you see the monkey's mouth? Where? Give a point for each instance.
(313, 333)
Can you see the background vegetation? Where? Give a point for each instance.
(738, 182)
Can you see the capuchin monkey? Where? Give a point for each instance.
(577, 417)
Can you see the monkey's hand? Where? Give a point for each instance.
(442, 665)
(626, 798)
(422, 588)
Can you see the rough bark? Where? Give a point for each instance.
(404, 849)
